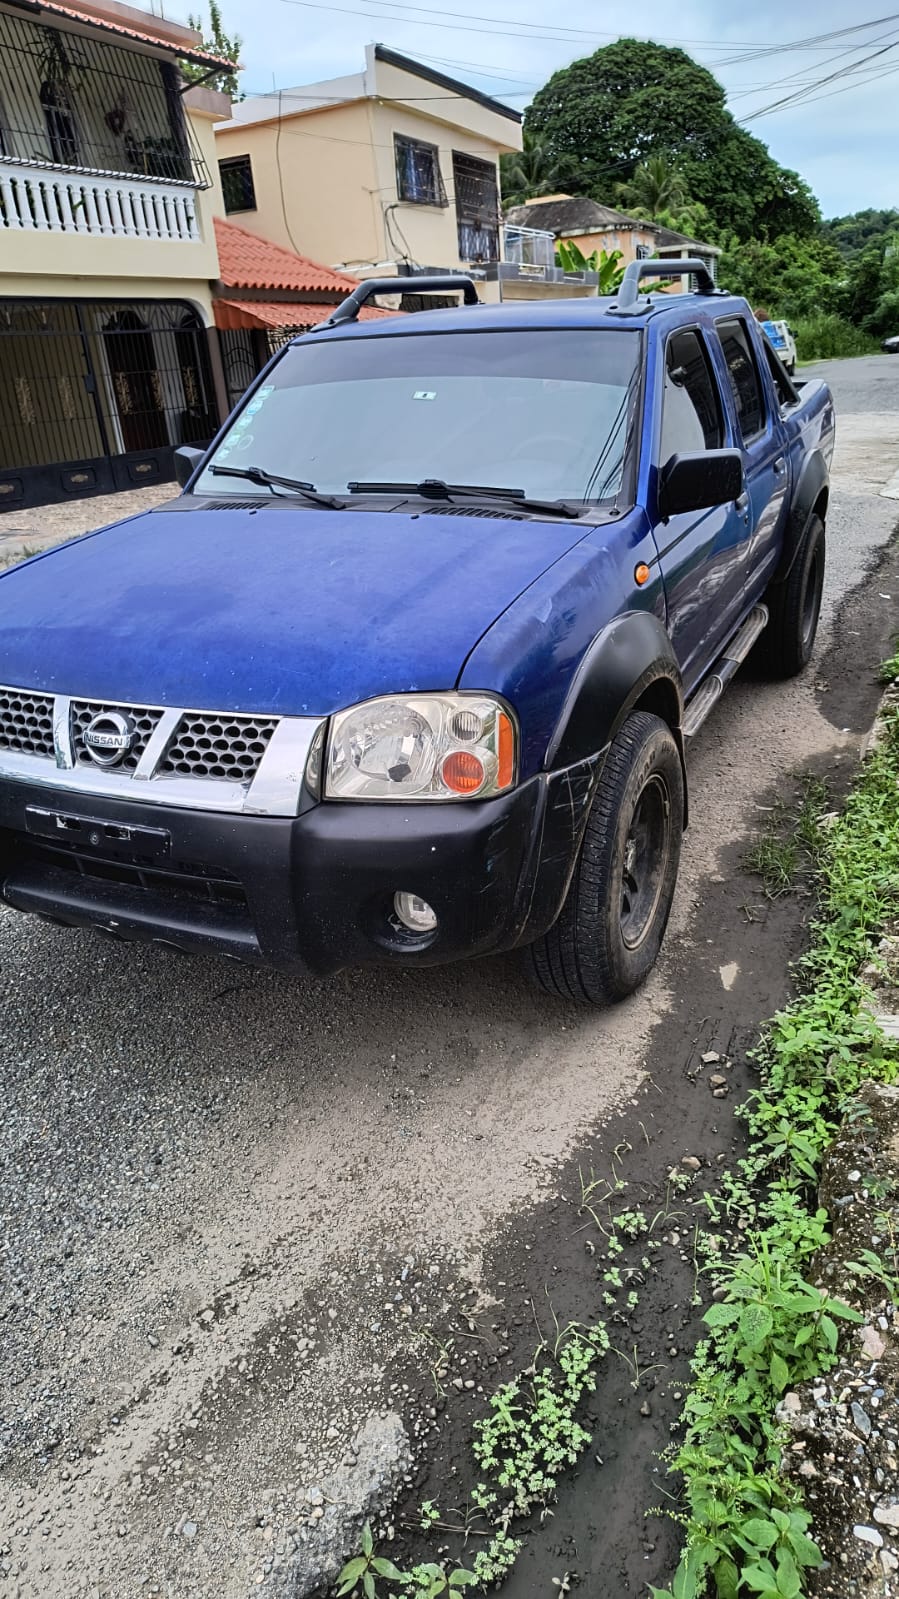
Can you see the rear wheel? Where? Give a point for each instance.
(608, 935)
(795, 606)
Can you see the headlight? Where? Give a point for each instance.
(422, 747)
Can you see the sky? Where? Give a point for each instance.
(842, 138)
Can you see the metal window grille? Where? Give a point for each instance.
(71, 101)
(419, 180)
(477, 207)
(238, 189)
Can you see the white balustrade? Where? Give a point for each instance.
(57, 200)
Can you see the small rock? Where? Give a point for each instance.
(646, 1408)
(710, 1058)
(888, 1516)
(717, 1080)
(152, 1340)
(720, 1093)
(873, 1345)
(189, 1530)
(690, 1163)
(861, 1419)
(207, 1316)
(888, 1561)
(868, 1535)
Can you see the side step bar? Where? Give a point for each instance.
(712, 687)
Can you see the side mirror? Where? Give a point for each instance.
(187, 459)
(696, 480)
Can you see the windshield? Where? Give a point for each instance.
(545, 412)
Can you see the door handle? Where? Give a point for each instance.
(742, 503)
(780, 465)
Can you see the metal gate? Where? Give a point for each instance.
(95, 395)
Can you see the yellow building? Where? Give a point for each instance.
(387, 172)
(108, 191)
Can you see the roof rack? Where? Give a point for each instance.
(629, 302)
(348, 309)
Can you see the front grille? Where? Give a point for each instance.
(26, 722)
(83, 713)
(209, 745)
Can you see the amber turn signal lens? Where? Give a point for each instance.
(506, 752)
(463, 772)
(641, 574)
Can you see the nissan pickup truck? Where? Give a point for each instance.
(410, 669)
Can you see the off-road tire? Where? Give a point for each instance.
(794, 607)
(586, 956)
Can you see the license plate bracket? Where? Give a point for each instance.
(99, 834)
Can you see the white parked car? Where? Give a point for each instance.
(781, 337)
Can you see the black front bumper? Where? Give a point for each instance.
(308, 893)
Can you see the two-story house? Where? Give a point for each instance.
(387, 172)
(108, 176)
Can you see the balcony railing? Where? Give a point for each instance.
(46, 200)
(528, 247)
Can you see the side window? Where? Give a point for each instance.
(786, 393)
(238, 188)
(419, 180)
(744, 377)
(691, 407)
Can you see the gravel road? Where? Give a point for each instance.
(231, 1205)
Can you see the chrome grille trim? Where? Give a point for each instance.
(275, 788)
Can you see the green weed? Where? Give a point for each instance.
(746, 1528)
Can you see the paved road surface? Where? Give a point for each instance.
(228, 1200)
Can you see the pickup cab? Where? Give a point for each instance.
(409, 670)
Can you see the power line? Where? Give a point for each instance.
(805, 93)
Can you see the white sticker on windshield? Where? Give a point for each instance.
(425, 394)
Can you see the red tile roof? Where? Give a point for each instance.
(203, 58)
(248, 262)
(279, 313)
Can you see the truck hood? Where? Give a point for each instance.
(281, 609)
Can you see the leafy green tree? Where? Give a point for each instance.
(529, 172)
(789, 277)
(656, 187)
(852, 233)
(218, 43)
(604, 116)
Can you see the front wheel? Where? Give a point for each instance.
(611, 926)
(794, 608)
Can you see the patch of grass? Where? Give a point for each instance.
(529, 1437)
(746, 1529)
(791, 841)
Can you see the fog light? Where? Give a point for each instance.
(415, 913)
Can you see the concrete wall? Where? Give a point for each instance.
(609, 239)
(316, 185)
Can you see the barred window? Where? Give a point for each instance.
(238, 189)
(418, 177)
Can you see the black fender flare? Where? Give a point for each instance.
(814, 479)
(631, 660)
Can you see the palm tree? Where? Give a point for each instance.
(529, 172)
(656, 186)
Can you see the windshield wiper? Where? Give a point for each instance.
(434, 488)
(272, 480)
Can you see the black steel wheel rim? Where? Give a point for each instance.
(644, 867)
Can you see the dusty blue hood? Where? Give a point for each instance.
(278, 610)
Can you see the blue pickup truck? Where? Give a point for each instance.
(409, 670)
